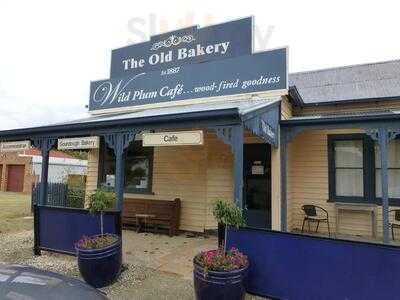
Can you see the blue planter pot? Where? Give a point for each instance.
(100, 267)
(229, 285)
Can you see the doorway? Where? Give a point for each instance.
(15, 178)
(257, 185)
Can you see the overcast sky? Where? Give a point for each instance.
(51, 50)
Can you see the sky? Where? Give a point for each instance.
(51, 50)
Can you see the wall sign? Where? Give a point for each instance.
(180, 47)
(15, 146)
(181, 138)
(264, 71)
(90, 142)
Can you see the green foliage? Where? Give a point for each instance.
(228, 213)
(76, 198)
(100, 200)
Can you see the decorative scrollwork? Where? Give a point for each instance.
(173, 40)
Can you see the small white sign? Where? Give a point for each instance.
(257, 170)
(15, 146)
(180, 138)
(90, 142)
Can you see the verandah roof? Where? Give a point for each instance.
(214, 113)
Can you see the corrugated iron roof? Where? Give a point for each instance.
(359, 82)
(243, 107)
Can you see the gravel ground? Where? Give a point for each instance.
(17, 249)
(136, 281)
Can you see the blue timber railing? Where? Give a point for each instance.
(61, 227)
(292, 266)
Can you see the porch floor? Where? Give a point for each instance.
(163, 253)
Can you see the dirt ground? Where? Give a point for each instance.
(155, 266)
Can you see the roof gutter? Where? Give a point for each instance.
(350, 101)
(340, 120)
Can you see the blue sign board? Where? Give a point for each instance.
(185, 46)
(264, 71)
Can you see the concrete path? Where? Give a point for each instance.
(166, 254)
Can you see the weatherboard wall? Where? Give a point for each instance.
(198, 175)
(308, 184)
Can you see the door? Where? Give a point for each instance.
(15, 178)
(257, 185)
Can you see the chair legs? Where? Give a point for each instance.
(302, 226)
(316, 229)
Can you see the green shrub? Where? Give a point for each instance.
(76, 198)
(228, 213)
(100, 200)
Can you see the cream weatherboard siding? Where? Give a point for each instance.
(92, 172)
(219, 175)
(308, 184)
(198, 175)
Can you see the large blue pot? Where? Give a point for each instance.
(210, 285)
(100, 267)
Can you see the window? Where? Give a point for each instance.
(355, 169)
(138, 168)
(393, 170)
(347, 169)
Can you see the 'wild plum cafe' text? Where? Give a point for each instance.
(245, 74)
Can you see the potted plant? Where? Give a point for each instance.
(100, 256)
(221, 274)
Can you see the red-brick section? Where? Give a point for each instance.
(9, 159)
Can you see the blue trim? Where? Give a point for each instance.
(264, 123)
(366, 198)
(284, 168)
(341, 120)
(193, 119)
(383, 137)
(320, 268)
(238, 139)
(351, 101)
(119, 142)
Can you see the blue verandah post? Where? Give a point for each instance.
(283, 165)
(238, 164)
(383, 140)
(44, 145)
(119, 142)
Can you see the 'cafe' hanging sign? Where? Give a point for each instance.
(188, 64)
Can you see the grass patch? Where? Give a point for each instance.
(14, 207)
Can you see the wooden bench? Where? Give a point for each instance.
(164, 213)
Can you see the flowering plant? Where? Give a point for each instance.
(96, 242)
(220, 260)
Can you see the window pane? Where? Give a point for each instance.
(349, 154)
(137, 173)
(349, 182)
(393, 182)
(393, 155)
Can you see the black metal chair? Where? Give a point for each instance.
(314, 213)
(394, 220)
